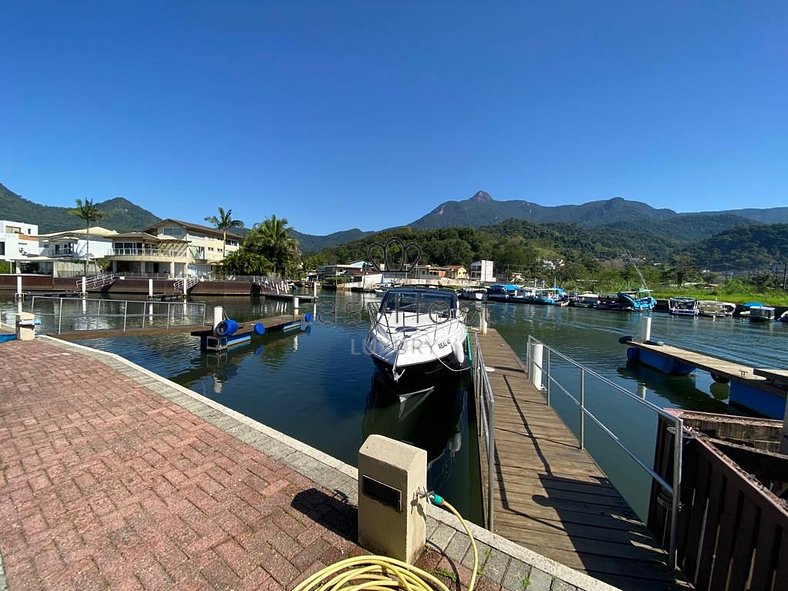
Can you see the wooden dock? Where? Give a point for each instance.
(760, 390)
(245, 331)
(552, 498)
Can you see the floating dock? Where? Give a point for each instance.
(759, 390)
(551, 497)
(210, 341)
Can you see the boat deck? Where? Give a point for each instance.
(552, 498)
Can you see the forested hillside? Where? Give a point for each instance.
(120, 214)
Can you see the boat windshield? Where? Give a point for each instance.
(418, 302)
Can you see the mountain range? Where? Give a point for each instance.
(119, 214)
(616, 214)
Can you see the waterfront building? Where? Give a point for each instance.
(171, 248)
(482, 271)
(18, 241)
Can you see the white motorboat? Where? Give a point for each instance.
(715, 308)
(683, 306)
(418, 333)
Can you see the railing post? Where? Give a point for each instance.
(491, 461)
(678, 453)
(60, 316)
(537, 356)
(582, 408)
(548, 376)
(125, 314)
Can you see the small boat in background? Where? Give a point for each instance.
(683, 306)
(639, 300)
(502, 292)
(475, 294)
(716, 309)
(585, 300)
(783, 317)
(761, 314)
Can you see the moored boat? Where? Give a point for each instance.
(585, 300)
(715, 309)
(639, 300)
(682, 306)
(418, 333)
(475, 294)
(761, 314)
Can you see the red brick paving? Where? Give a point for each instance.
(106, 484)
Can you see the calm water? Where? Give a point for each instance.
(319, 387)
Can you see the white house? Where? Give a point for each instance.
(482, 271)
(173, 248)
(18, 241)
(77, 244)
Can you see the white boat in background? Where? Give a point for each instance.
(761, 314)
(417, 333)
(683, 306)
(716, 309)
(475, 294)
(585, 300)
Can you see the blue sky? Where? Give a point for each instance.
(370, 113)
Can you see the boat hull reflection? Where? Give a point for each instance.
(431, 418)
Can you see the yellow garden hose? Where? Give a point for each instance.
(381, 573)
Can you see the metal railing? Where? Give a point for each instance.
(96, 281)
(184, 284)
(539, 362)
(102, 314)
(483, 394)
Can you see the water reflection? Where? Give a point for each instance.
(435, 420)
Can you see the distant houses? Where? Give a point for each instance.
(170, 248)
(174, 248)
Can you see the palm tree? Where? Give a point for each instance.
(223, 222)
(272, 239)
(89, 213)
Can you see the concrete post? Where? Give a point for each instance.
(391, 512)
(19, 291)
(483, 320)
(537, 355)
(25, 326)
(645, 328)
(150, 288)
(84, 285)
(314, 289)
(218, 315)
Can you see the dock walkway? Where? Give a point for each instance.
(551, 497)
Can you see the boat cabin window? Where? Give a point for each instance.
(441, 304)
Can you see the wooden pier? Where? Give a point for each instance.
(552, 498)
(209, 341)
(759, 390)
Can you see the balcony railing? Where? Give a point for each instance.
(146, 252)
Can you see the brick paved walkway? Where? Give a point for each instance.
(111, 477)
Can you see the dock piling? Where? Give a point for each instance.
(537, 354)
(645, 328)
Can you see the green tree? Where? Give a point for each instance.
(272, 239)
(88, 212)
(223, 222)
(244, 262)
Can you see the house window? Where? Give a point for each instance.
(2, 249)
(177, 232)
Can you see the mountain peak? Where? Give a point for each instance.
(481, 197)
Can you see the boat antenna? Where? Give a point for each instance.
(634, 264)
